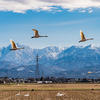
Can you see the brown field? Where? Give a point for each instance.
(49, 91)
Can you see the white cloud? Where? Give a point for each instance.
(82, 11)
(90, 11)
(21, 6)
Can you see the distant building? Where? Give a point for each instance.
(71, 80)
(32, 80)
(47, 81)
(19, 80)
(39, 82)
(44, 82)
(85, 80)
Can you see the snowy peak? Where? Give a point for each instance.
(27, 55)
(53, 58)
(51, 55)
(54, 49)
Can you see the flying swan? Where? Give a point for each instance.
(14, 47)
(37, 34)
(83, 37)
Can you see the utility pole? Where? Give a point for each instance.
(42, 78)
(37, 71)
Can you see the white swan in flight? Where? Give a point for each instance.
(83, 37)
(37, 34)
(14, 47)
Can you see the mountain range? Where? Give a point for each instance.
(74, 61)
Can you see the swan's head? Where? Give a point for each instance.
(10, 40)
(80, 31)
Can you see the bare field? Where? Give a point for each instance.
(49, 92)
(51, 95)
(48, 86)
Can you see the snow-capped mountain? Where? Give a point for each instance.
(54, 59)
(18, 57)
(67, 56)
(78, 57)
(27, 56)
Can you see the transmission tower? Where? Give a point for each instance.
(37, 71)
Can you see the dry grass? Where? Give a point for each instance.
(49, 92)
(51, 95)
(48, 86)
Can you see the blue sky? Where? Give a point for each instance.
(61, 21)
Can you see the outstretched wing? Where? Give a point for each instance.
(13, 44)
(35, 32)
(82, 35)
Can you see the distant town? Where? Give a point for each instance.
(6, 80)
